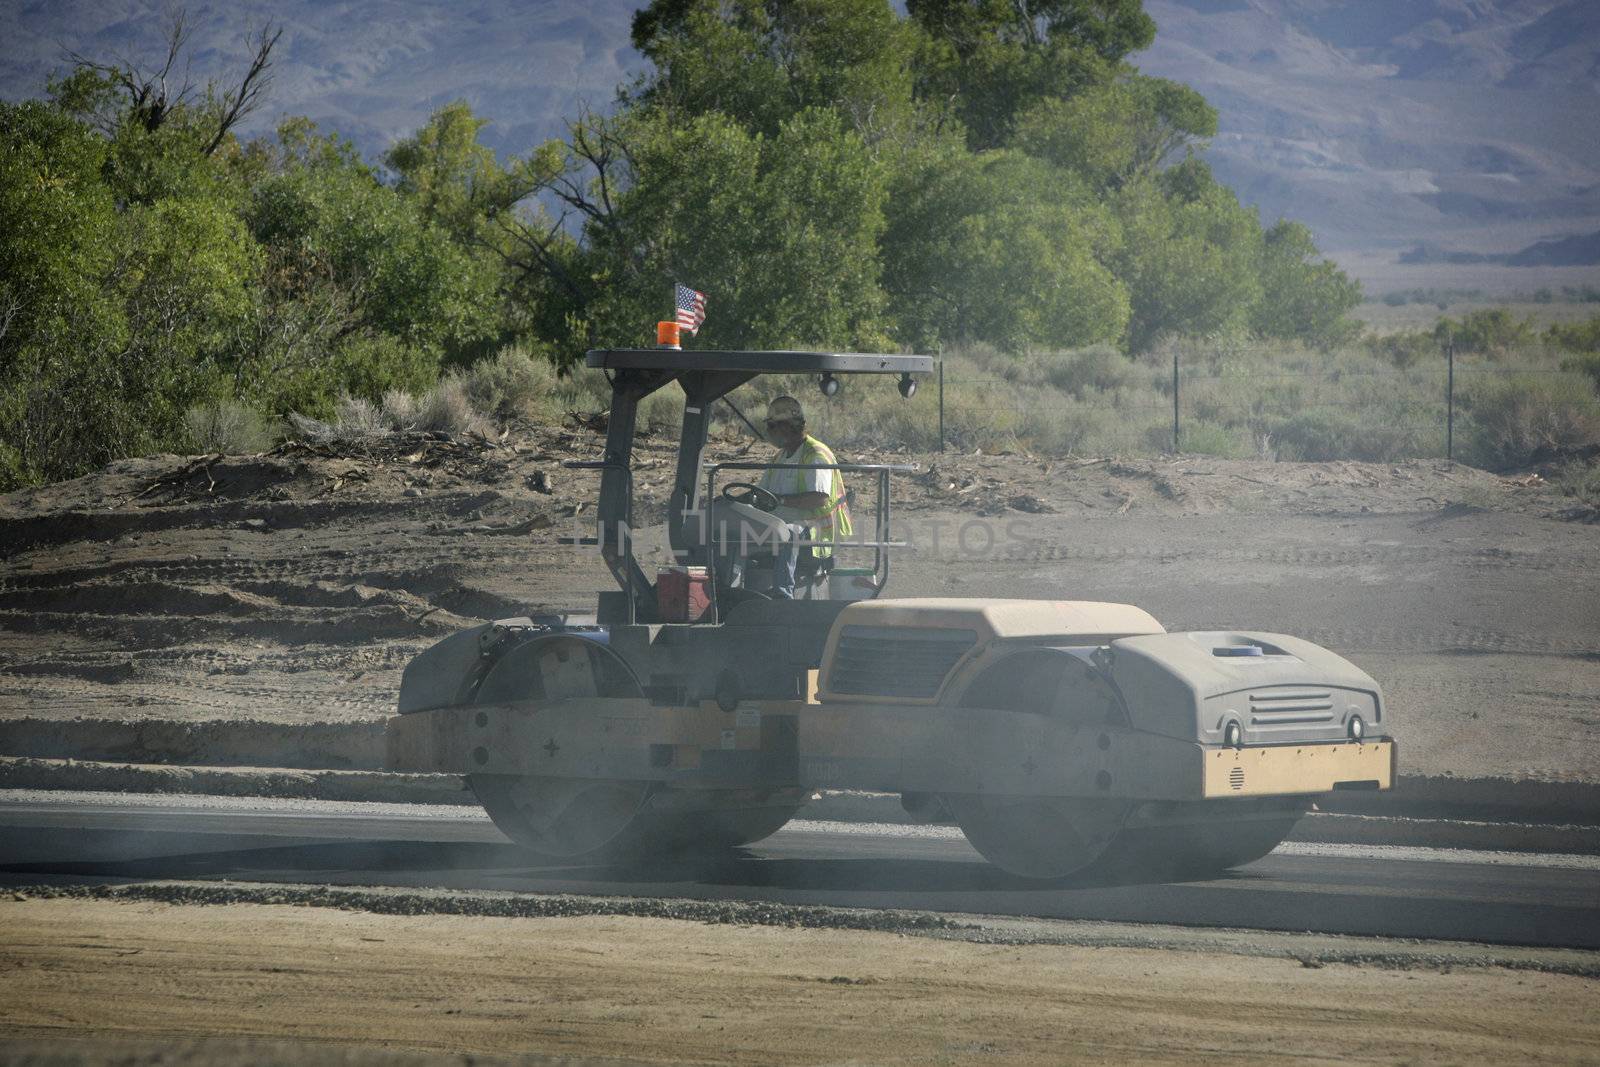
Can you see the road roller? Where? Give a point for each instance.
(692, 711)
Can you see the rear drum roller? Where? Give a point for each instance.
(564, 818)
(587, 820)
(601, 820)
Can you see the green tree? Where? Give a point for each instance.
(454, 180)
(116, 312)
(55, 315)
(998, 58)
(764, 61)
(1113, 133)
(326, 218)
(1001, 248)
(1189, 255)
(780, 232)
(1303, 296)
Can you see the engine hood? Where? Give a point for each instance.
(1278, 688)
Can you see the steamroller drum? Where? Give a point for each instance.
(732, 826)
(1208, 841)
(600, 821)
(564, 818)
(1041, 837)
(607, 820)
(1038, 837)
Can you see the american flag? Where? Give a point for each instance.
(691, 307)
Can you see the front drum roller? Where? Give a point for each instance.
(1052, 838)
(1038, 837)
(607, 820)
(1203, 839)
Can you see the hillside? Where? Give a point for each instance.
(1384, 125)
(1461, 125)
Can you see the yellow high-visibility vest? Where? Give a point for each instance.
(829, 522)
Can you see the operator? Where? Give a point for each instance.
(814, 498)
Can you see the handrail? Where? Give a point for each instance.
(848, 468)
(880, 559)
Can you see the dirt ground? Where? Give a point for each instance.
(294, 586)
(102, 977)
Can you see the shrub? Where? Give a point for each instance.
(1326, 433)
(1580, 480)
(229, 427)
(1587, 364)
(511, 384)
(1063, 426)
(1213, 439)
(370, 365)
(399, 410)
(1404, 349)
(1491, 331)
(445, 408)
(661, 411)
(1517, 418)
(1099, 368)
(358, 417)
(1576, 336)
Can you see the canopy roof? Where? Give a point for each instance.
(758, 362)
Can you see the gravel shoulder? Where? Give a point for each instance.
(107, 976)
(217, 594)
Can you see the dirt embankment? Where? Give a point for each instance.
(294, 586)
(105, 978)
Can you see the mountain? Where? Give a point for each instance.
(1471, 126)
(1385, 124)
(371, 69)
(1580, 251)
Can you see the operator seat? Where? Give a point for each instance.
(736, 527)
(744, 533)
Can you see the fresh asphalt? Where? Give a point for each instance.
(1489, 897)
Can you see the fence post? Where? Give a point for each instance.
(1174, 401)
(1450, 401)
(941, 403)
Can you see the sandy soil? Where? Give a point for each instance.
(660, 991)
(293, 587)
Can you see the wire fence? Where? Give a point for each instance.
(1237, 402)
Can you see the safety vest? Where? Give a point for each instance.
(829, 522)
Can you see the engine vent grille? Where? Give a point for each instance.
(1290, 707)
(895, 661)
(1236, 779)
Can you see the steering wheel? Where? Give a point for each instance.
(751, 494)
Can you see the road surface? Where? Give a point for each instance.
(1488, 897)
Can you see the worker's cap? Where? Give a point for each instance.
(786, 409)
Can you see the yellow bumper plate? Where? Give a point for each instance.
(1281, 769)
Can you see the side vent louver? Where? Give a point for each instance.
(895, 661)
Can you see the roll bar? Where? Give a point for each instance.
(705, 377)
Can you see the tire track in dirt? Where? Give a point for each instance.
(399, 567)
(150, 631)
